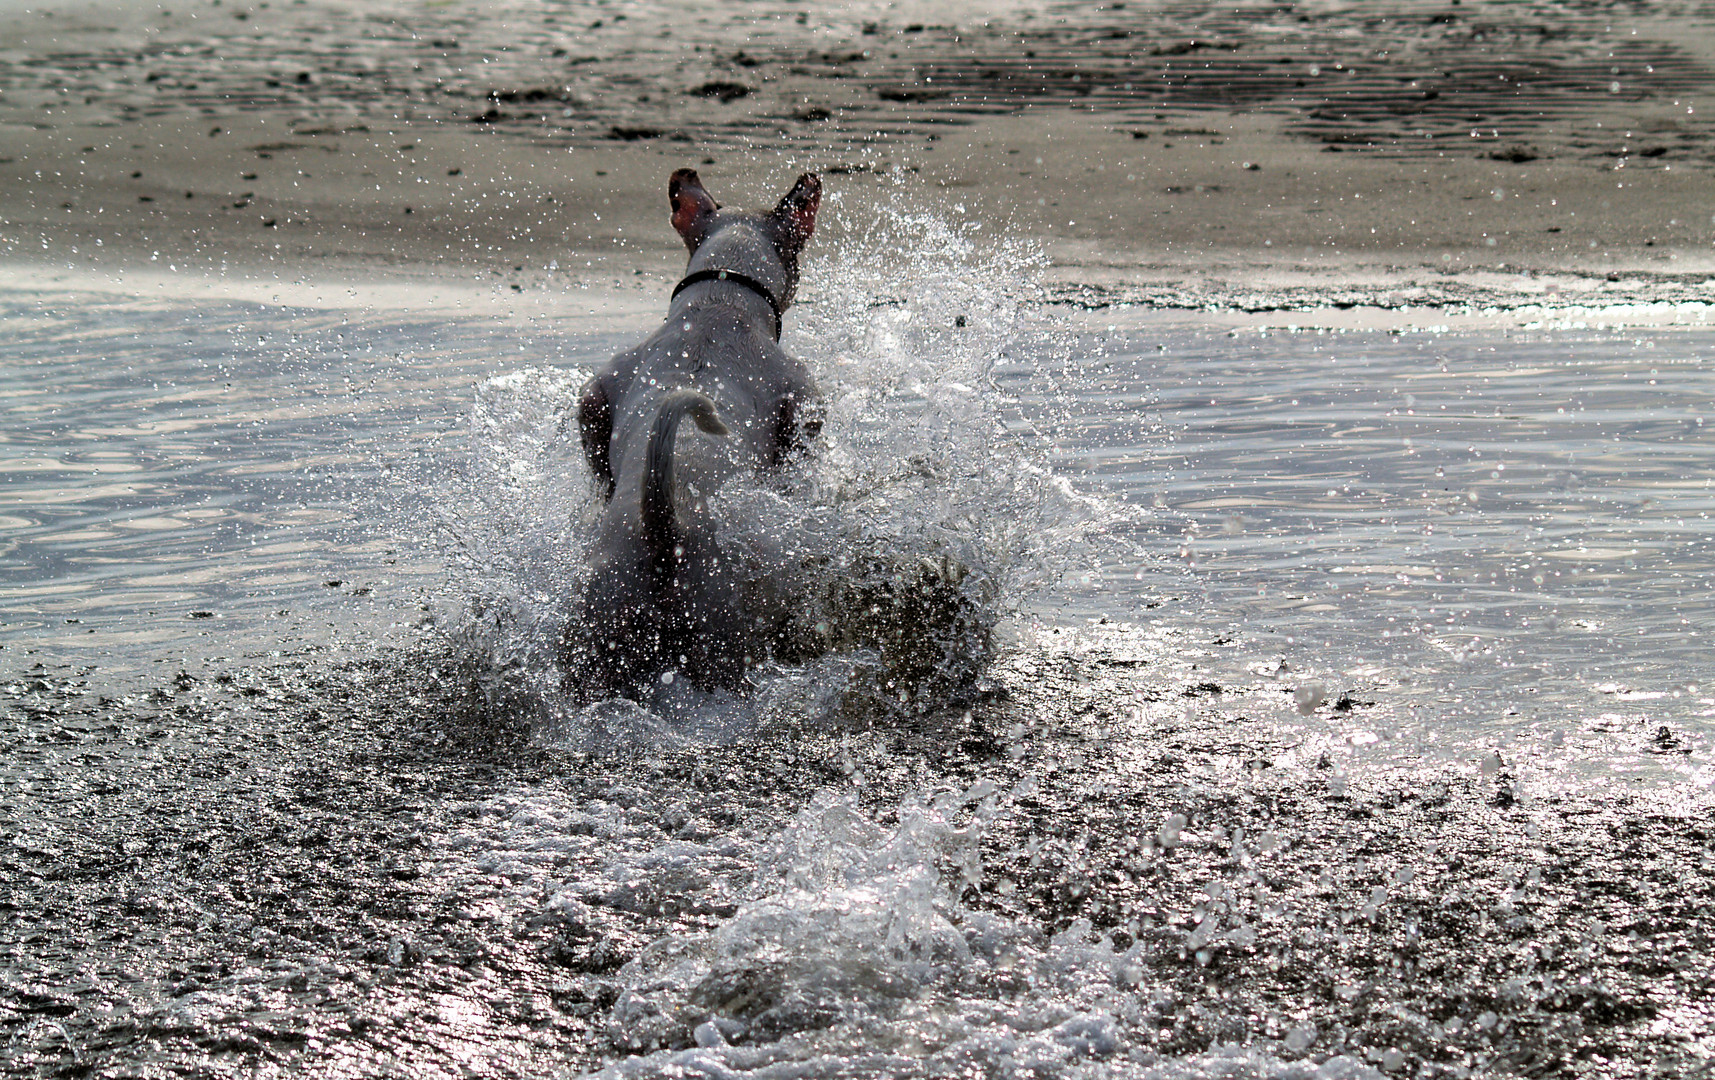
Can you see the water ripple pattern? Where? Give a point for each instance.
(1517, 531)
(218, 466)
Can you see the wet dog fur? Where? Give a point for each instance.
(665, 600)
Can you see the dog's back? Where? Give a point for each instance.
(664, 596)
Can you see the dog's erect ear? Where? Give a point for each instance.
(797, 210)
(693, 209)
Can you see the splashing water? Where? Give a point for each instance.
(512, 529)
(856, 945)
(923, 521)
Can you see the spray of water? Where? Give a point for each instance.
(512, 524)
(924, 519)
(851, 943)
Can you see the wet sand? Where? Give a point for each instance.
(1183, 155)
(324, 864)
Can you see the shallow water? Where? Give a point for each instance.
(1504, 536)
(1500, 536)
(187, 478)
(1294, 806)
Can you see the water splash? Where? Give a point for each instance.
(856, 955)
(927, 516)
(512, 528)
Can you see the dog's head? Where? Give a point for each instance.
(741, 238)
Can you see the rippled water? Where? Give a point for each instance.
(1344, 558)
(1506, 532)
(1502, 534)
(185, 478)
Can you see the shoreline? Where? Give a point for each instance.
(311, 144)
(1286, 305)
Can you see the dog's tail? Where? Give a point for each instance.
(659, 524)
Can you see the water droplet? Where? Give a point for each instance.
(1309, 695)
(1168, 836)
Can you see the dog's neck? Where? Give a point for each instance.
(733, 277)
(752, 268)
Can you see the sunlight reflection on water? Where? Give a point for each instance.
(175, 471)
(1513, 528)
(1507, 533)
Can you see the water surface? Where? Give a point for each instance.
(1360, 719)
(1510, 532)
(1507, 532)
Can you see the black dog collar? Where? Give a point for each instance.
(736, 278)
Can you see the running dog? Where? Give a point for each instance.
(664, 601)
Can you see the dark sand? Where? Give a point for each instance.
(1184, 155)
(256, 872)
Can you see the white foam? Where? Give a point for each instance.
(854, 956)
(846, 943)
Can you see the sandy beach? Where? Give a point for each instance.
(1186, 156)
